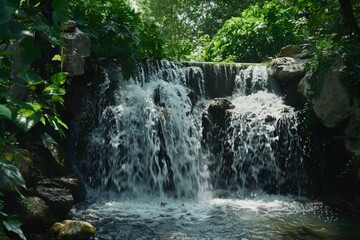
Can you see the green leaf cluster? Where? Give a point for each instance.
(28, 97)
(10, 180)
(185, 23)
(259, 33)
(117, 31)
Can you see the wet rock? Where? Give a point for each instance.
(75, 186)
(333, 100)
(59, 199)
(286, 69)
(221, 194)
(36, 215)
(218, 108)
(270, 119)
(73, 230)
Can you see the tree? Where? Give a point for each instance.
(184, 22)
(347, 12)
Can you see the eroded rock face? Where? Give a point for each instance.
(73, 230)
(287, 69)
(77, 49)
(334, 99)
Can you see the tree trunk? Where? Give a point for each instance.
(350, 22)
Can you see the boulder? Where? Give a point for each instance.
(218, 108)
(59, 199)
(73, 230)
(287, 69)
(290, 51)
(36, 215)
(296, 51)
(74, 185)
(331, 104)
(77, 49)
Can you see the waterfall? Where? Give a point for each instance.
(195, 151)
(154, 134)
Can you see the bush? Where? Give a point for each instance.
(257, 34)
(117, 31)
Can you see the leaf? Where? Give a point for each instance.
(57, 98)
(41, 24)
(17, 30)
(57, 124)
(25, 119)
(54, 90)
(60, 13)
(52, 146)
(30, 77)
(7, 7)
(30, 51)
(10, 175)
(13, 225)
(57, 57)
(59, 78)
(5, 112)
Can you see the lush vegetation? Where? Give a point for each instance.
(258, 33)
(187, 24)
(117, 32)
(30, 91)
(33, 81)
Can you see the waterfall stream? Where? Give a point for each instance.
(166, 155)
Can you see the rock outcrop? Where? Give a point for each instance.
(287, 69)
(61, 193)
(77, 49)
(332, 103)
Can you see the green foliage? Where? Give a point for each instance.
(258, 33)
(117, 31)
(184, 22)
(27, 98)
(10, 180)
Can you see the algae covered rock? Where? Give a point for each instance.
(36, 215)
(73, 229)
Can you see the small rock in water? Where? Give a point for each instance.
(270, 119)
(73, 230)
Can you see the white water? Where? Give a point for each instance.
(148, 171)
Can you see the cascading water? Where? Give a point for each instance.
(163, 160)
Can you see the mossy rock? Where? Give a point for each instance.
(73, 230)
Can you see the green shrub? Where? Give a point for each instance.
(257, 34)
(117, 31)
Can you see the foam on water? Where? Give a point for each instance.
(259, 217)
